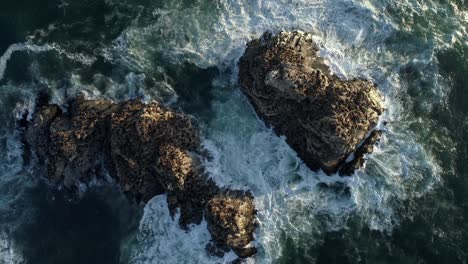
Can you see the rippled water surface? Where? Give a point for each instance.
(408, 205)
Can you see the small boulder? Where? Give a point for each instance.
(231, 218)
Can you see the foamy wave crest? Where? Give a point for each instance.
(215, 34)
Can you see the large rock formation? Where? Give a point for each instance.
(324, 118)
(149, 150)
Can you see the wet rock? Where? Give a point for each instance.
(367, 147)
(290, 87)
(149, 150)
(230, 217)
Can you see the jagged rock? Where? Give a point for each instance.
(148, 149)
(367, 147)
(290, 87)
(231, 218)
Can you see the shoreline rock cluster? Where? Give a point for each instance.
(149, 150)
(325, 119)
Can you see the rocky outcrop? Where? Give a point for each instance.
(149, 150)
(229, 219)
(324, 118)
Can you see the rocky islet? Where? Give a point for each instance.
(149, 150)
(325, 119)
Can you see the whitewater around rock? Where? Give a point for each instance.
(150, 149)
(325, 119)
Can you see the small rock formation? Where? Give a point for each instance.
(324, 118)
(229, 219)
(149, 150)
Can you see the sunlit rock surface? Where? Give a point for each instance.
(324, 118)
(149, 150)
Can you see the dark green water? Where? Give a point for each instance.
(409, 205)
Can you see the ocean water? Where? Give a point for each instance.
(408, 205)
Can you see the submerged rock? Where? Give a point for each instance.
(148, 149)
(324, 118)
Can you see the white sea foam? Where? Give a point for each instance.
(8, 252)
(18, 47)
(12, 189)
(161, 240)
(86, 60)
